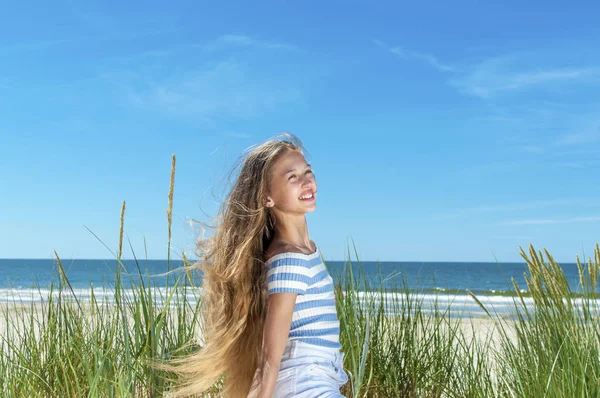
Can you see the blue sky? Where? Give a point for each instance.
(438, 132)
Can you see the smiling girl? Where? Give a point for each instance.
(270, 321)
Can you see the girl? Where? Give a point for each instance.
(270, 322)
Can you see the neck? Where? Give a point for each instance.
(293, 230)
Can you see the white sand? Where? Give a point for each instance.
(481, 329)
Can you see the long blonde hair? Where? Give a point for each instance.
(233, 287)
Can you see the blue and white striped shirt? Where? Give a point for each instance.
(314, 320)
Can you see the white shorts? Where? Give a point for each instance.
(310, 371)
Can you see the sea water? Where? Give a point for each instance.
(441, 284)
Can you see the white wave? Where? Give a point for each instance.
(393, 303)
(103, 295)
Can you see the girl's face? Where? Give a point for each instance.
(293, 185)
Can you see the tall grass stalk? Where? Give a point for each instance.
(170, 209)
(121, 227)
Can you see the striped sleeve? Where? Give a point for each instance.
(288, 274)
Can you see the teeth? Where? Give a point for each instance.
(307, 196)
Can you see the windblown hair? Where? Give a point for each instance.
(233, 288)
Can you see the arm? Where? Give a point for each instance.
(275, 335)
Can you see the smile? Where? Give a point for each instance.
(307, 196)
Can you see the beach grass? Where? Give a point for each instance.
(395, 345)
(556, 352)
(61, 347)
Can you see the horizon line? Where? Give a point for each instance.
(337, 261)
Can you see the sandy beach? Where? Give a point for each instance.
(479, 328)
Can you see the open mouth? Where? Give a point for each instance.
(308, 196)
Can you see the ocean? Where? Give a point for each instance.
(28, 280)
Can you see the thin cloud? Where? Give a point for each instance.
(427, 59)
(499, 74)
(589, 135)
(504, 74)
(225, 43)
(224, 83)
(551, 221)
(227, 88)
(229, 40)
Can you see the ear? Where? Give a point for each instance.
(269, 202)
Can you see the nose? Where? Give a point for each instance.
(306, 180)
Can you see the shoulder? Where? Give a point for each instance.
(282, 249)
(277, 248)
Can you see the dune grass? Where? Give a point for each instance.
(394, 344)
(62, 347)
(557, 348)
